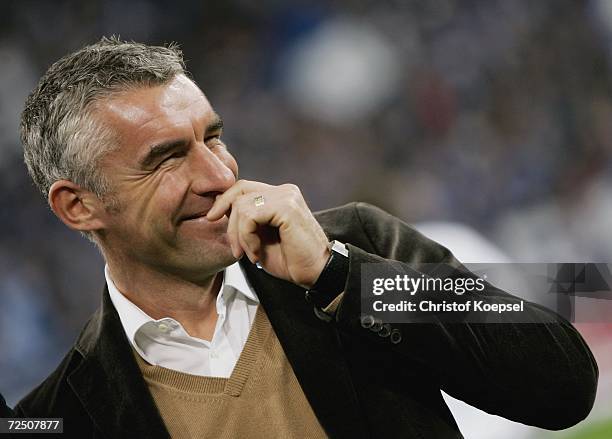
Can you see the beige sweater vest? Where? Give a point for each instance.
(261, 399)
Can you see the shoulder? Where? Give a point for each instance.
(376, 231)
(351, 214)
(350, 210)
(356, 214)
(357, 217)
(344, 223)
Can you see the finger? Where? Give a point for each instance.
(248, 220)
(224, 201)
(268, 237)
(232, 233)
(248, 237)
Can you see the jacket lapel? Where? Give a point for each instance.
(312, 348)
(108, 382)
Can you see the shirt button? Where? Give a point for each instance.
(213, 354)
(163, 327)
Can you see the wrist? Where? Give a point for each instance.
(322, 263)
(332, 279)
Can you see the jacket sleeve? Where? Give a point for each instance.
(538, 372)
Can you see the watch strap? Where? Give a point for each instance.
(332, 280)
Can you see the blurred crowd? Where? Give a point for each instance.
(490, 113)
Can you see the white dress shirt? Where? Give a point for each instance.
(165, 342)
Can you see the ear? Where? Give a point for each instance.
(76, 207)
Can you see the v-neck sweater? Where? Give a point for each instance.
(262, 398)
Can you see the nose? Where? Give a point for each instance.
(209, 172)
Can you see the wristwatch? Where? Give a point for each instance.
(332, 280)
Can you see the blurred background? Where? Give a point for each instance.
(487, 123)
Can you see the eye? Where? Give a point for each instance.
(215, 137)
(171, 157)
(175, 155)
(213, 141)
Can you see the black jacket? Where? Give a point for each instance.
(358, 383)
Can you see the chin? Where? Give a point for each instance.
(215, 250)
(199, 263)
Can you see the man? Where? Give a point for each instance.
(190, 343)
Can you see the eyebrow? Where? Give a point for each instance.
(215, 125)
(161, 149)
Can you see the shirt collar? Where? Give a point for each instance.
(234, 277)
(133, 318)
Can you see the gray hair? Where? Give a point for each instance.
(61, 138)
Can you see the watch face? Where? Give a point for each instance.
(339, 247)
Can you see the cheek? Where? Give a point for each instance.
(156, 199)
(168, 193)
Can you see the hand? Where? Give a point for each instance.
(281, 234)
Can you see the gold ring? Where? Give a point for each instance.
(259, 200)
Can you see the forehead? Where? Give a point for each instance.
(145, 114)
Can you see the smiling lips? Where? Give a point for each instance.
(200, 211)
(195, 215)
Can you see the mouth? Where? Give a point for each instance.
(197, 213)
(194, 216)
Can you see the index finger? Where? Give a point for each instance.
(224, 201)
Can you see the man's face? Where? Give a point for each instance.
(169, 166)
